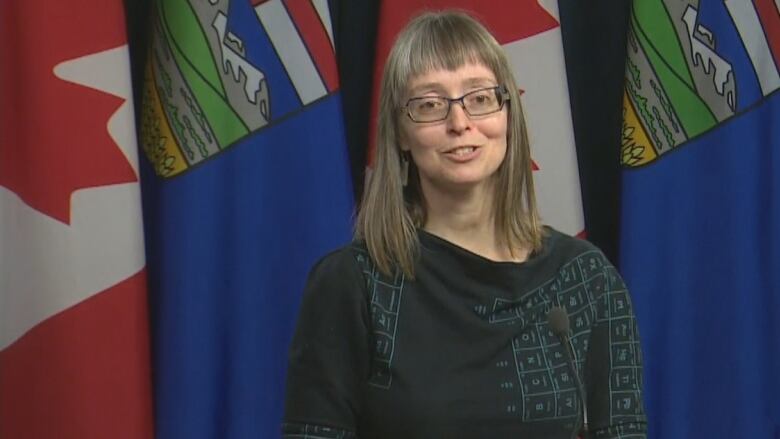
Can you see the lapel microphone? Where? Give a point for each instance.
(558, 321)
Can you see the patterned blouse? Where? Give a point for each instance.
(464, 350)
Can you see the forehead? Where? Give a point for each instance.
(467, 75)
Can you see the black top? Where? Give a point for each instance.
(464, 350)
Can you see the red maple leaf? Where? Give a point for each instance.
(53, 133)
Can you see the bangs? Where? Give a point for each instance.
(447, 42)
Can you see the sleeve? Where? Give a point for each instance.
(329, 356)
(613, 369)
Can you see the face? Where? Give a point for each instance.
(460, 151)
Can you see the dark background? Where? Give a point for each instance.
(594, 42)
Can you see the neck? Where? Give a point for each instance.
(466, 218)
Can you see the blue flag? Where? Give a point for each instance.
(701, 214)
(247, 183)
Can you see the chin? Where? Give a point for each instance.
(465, 181)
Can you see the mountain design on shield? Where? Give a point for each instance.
(680, 83)
(214, 77)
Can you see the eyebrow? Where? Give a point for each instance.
(469, 82)
(479, 81)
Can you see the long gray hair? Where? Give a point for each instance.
(390, 213)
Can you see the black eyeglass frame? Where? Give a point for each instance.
(501, 93)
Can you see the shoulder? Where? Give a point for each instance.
(582, 257)
(336, 285)
(567, 248)
(340, 267)
(339, 260)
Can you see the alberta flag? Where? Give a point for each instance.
(701, 213)
(74, 339)
(530, 33)
(248, 184)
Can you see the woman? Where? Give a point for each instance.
(434, 322)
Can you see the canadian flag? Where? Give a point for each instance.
(74, 350)
(530, 32)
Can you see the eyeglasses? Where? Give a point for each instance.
(476, 103)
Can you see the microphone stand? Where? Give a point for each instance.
(558, 321)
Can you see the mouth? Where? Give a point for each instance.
(461, 151)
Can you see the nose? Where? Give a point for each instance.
(458, 120)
